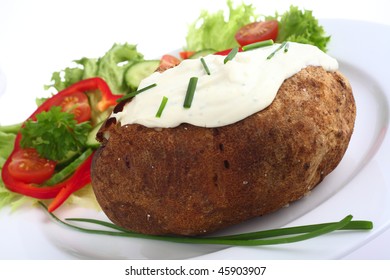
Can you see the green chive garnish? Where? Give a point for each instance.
(190, 92)
(286, 47)
(162, 106)
(259, 238)
(257, 45)
(278, 49)
(134, 93)
(205, 66)
(231, 55)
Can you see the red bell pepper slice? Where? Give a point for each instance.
(108, 98)
(226, 52)
(186, 54)
(81, 176)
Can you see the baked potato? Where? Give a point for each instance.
(190, 180)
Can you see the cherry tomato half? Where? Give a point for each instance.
(257, 31)
(77, 104)
(168, 61)
(27, 166)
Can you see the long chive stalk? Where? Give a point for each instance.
(258, 45)
(283, 45)
(134, 93)
(281, 236)
(353, 225)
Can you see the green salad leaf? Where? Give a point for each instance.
(7, 139)
(212, 31)
(300, 26)
(111, 67)
(6, 146)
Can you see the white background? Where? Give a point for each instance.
(39, 37)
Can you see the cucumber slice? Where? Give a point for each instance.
(202, 53)
(70, 156)
(69, 169)
(91, 139)
(140, 70)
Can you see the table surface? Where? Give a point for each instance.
(165, 14)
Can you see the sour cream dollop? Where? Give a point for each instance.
(233, 91)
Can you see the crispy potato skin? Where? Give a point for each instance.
(190, 180)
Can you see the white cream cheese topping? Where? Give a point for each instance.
(233, 91)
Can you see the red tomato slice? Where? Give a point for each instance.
(168, 61)
(27, 166)
(77, 104)
(257, 31)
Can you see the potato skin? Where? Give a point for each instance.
(190, 180)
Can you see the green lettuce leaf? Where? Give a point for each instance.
(300, 26)
(212, 31)
(6, 145)
(111, 67)
(7, 139)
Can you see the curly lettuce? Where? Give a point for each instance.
(7, 138)
(300, 26)
(111, 67)
(212, 31)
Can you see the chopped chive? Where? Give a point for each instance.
(266, 237)
(134, 93)
(190, 92)
(205, 66)
(231, 55)
(162, 106)
(278, 49)
(257, 45)
(286, 47)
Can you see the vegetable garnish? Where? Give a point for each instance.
(211, 31)
(258, 45)
(112, 66)
(300, 26)
(286, 47)
(206, 68)
(231, 55)
(44, 132)
(134, 93)
(80, 178)
(59, 104)
(257, 31)
(162, 106)
(216, 30)
(259, 238)
(283, 45)
(69, 169)
(190, 92)
(28, 166)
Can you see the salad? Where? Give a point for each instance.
(48, 156)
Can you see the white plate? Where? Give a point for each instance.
(359, 185)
